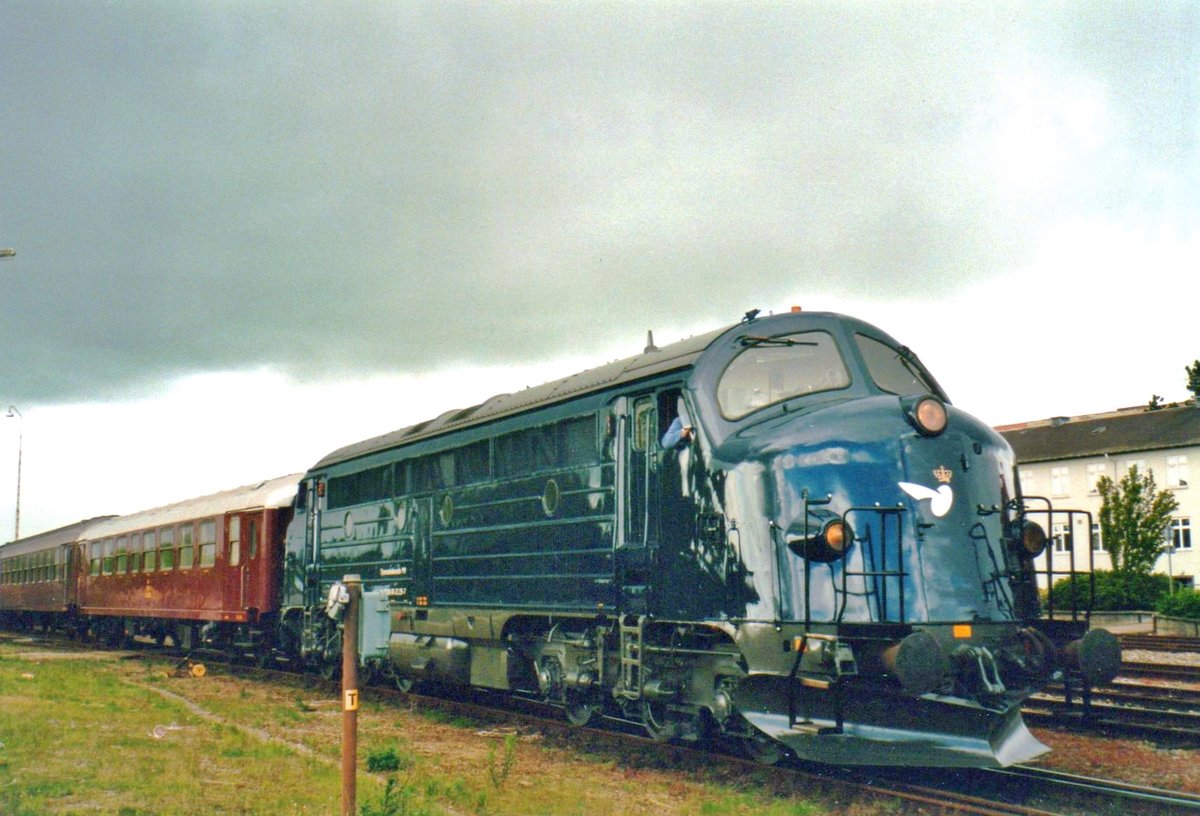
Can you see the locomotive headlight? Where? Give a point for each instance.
(1033, 539)
(925, 413)
(829, 544)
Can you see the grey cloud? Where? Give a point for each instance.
(370, 187)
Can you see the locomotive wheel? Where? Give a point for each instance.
(580, 709)
(658, 721)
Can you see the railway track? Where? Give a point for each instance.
(1160, 643)
(1020, 791)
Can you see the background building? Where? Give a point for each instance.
(1063, 458)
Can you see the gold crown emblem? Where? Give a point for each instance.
(942, 474)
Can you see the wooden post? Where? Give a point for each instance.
(350, 695)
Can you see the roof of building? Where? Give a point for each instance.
(1124, 431)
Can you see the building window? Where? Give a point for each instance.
(1097, 542)
(1181, 533)
(1177, 472)
(1028, 480)
(1140, 464)
(1094, 472)
(1059, 481)
(1062, 538)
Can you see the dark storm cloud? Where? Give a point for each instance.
(367, 187)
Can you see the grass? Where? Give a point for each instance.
(118, 738)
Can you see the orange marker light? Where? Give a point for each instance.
(962, 631)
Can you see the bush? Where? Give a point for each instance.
(1115, 591)
(1183, 604)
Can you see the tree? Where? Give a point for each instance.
(1133, 520)
(1193, 380)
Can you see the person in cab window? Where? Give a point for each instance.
(680, 432)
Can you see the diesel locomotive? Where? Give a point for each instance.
(780, 533)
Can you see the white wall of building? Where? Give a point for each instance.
(1071, 484)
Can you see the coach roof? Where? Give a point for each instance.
(278, 492)
(69, 534)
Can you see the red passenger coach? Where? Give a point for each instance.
(205, 569)
(37, 576)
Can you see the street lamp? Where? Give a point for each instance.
(8, 253)
(13, 412)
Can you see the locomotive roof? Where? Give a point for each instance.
(654, 360)
(278, 492)
(68, 534)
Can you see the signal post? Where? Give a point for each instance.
(353, 585)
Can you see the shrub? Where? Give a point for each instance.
(383, 760)
(1184, 604)
(1115, 591)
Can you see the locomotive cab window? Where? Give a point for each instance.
(895, 370)
(773, 369)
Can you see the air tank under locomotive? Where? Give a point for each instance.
(835, 562)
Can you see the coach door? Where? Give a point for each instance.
(243, 589)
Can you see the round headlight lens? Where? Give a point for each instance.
(1033, 539)
(836, 536)
(930, 415)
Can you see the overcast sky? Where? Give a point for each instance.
(249, 232)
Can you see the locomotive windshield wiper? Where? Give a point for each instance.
(749, 340)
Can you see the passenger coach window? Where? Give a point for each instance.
(166, 548)
(208, 543)
(896, 370)
(106, 566)
(186, 554)
(235, 541)
(149, 558)
(774, 369)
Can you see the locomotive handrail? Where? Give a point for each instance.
(884, 573)
(1050, 511)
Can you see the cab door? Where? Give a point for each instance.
(638, 534)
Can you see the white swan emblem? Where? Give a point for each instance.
(939, 500)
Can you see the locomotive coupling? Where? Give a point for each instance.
(1096, 655)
